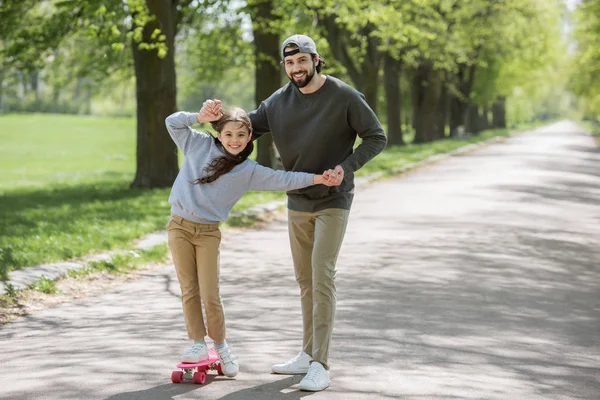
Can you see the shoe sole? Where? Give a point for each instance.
(311, 389)
(194, 362)
(287, 372)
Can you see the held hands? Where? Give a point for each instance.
(212, 110)
(331, 177)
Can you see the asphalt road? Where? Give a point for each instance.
(474, 278)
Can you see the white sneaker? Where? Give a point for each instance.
(316, 379)
(229, 363)
(196, 353)
(297, 365)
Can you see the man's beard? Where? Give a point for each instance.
(305, 81)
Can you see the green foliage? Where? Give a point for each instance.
(129, 261)
(10, 291)
(44, 285)
(525, 62)
(214, 60)
(586, 61)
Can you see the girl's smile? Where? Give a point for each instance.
(235, 137)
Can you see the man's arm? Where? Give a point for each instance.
(364, 121)
(260, 122)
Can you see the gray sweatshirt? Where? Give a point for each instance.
(211, 203)
(315, 132)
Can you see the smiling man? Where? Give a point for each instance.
(315, 120)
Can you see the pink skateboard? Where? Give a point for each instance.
(202, 368)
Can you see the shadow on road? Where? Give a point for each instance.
(162, 392)
(272, 390)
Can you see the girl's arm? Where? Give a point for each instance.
(180, 124)
(267, 179)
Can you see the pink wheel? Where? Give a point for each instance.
(219, 369)
(199, 377)
(177, 377)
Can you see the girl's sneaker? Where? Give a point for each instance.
(196, 353)
(229, 363)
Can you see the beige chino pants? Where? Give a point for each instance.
(315, 241)
(195, 250)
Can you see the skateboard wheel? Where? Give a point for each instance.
(177, 377)
(199, 377)
(219, 370)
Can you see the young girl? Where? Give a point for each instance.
(215, 174)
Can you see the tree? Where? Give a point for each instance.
(148, 27)
(156, 92)
(349, 30)
(265, 26)
(586, 65)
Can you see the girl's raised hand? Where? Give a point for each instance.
(212, 110)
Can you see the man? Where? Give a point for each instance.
(315, 120)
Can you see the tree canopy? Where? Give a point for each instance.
(429, 68)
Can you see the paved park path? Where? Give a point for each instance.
(474, 278)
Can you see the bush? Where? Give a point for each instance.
(43, 106)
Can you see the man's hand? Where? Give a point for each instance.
(333, 177)
(212, 110)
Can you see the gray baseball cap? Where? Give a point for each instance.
(304, 43)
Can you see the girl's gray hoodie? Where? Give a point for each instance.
(211, 203)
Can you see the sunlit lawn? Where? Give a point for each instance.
(64, 186)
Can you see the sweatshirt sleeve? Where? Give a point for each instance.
(267, 179)
(179, 126)
(364, 121)
(259, 119)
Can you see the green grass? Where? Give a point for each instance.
(64, 187)
(123, 263)
(398, 156)
(44, 285)
(50, 150)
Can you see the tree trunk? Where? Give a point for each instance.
(77, 91)
(459, 105)
(426, 93)
(1, 90)
(499, 113)
(472, 125)
(483, 118)
(35, 84)
(56, 90)
(457, 110)
(442, 112)
(24, 86)
(393, 100)
(156, 99)
(267, 70)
